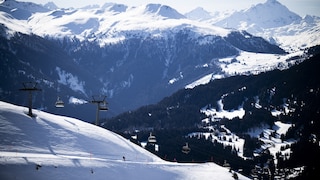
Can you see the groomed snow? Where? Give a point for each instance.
(48, 146)
(255, 63)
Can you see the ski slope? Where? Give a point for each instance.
(247, 63)
(48, 147)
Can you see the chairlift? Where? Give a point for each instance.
(103, 106)
(186, 149)
(59, 103)
(152, 139)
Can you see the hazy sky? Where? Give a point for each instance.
(301, 7)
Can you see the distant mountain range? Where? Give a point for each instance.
(270, 20)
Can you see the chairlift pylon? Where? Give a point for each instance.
(59, 103)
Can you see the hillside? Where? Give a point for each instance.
(262, 120)
(48, 146)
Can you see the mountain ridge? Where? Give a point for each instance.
(282, 27)
(21, 10)
(274, 27)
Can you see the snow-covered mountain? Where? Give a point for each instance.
(134, 55)
(198, 14)
(48, 146)
(270, 20)
(51, 6)
(270, 14)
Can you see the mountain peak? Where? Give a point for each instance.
(270, 14)
(115, 7)
(51, 5)
(163, 10)
(273, 1)
(198, 14)
(280, 15)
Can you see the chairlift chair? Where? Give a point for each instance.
(59, 103)
(186, 149)
(152, 139)
(103, 106)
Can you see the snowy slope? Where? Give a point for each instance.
(21, 10)
(12, 25)
(55, 147)
(250, 63)
(298, 35)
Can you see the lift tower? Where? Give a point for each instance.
(101, 105)
(30, 87)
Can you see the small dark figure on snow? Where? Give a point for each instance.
(235, 175)
(124, 158)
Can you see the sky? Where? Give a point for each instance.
(301, 7)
